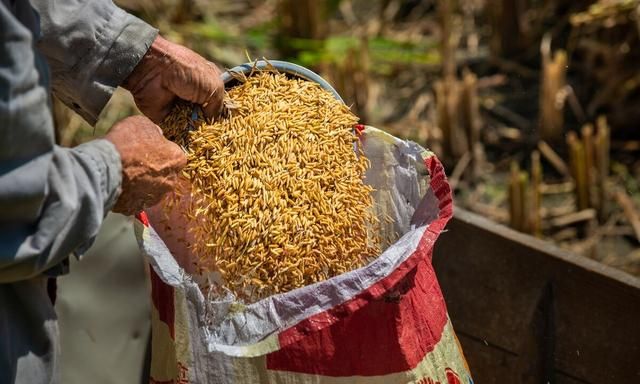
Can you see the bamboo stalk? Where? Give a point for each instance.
(446, 44)
(471, 121)
(578, 170)
(602, 161)
(449, 104)
(536, 200)
(457, 135)
(508, 37)
(471, 107)
(587, 143)
(356, 69)
(515, 204)
(554, 70)
(442, 118)
(572, 139)
(581, 182)
(523, 181)
(304, 19)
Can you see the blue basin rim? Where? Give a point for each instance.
(284, 67)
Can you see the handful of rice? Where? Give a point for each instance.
(277, 197)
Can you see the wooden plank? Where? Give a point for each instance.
(560, 314)
(488, 363)
(562, 378)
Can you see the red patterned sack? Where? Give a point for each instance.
(383, 323)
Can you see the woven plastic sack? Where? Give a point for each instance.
(383, 323)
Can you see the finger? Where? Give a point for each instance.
(177, 155)
(212, 107)
(155, 129)
(164, 109)
(156, 104)
(145, 127)
(200, 84)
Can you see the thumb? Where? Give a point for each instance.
(212, 107)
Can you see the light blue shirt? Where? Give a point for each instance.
(53, 199)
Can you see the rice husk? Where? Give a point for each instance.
(277, 199)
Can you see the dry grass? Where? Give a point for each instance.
(278, 200)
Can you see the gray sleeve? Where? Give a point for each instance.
(52, 199)
(91, 46)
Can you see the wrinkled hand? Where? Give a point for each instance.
(169, 71)
(150, 163)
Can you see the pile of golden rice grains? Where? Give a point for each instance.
(277, 194)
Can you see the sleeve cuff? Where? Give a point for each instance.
(106, 159)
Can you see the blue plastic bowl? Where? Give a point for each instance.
(290, 69)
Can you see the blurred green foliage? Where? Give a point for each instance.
(384, 53)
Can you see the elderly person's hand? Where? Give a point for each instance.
(150, 163)
(169, 71)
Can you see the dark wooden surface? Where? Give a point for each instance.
(528, 312)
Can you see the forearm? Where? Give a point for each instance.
(82, 185)
(91, 46)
